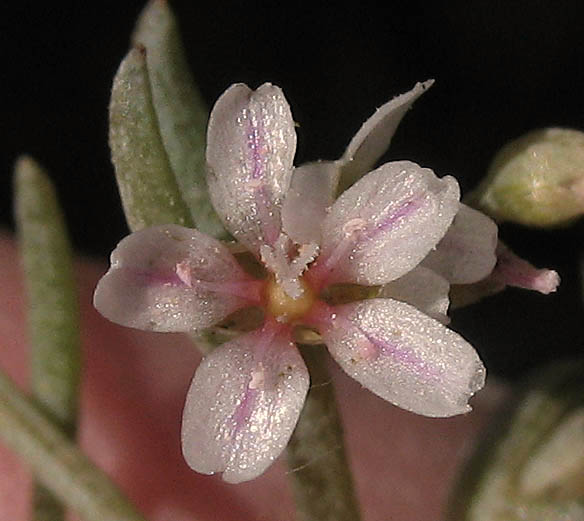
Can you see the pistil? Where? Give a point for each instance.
(284, 307)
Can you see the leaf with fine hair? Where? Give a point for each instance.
(57, 462)
(531, 464)
(53, 315)
(181, 112)
(148, 188)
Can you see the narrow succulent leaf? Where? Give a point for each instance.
(319, 469)
(531, 465)
(182, 114)
(148, 188)
(56, 461)
(53, 315)
(46, 506)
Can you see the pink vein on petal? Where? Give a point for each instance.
(257, 184)
(244, 409)
(319, 275)
(386, 224)
(246, 289)
(387, 348)
(326, 317)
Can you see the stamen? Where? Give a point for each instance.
(288, 272)
(355, 231)
(258, 378)
(183, 272)
(354, 225)
(319, 275)
(248, 289)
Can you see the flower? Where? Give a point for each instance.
(397, 236)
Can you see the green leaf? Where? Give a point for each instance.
(53, 315)
(57, 462)
(181, 111)
(531, 466)
(148, 188)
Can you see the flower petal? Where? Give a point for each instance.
(404, 356)
(373, 138)
(251, 143)
(423, 289)
(170, 278)
(311, 192)
(243, 405)
(466, 253)
(385, 224)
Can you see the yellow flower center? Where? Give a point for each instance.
(283, 306)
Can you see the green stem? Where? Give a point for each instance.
(57, 462)
(53, 315)
(319, 470)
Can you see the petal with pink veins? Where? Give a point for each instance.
(385, 224)
(173, 279)
(373, 138)
(466, 254)
(404, 356)
(423, 289)
(251, 141)
(311, 192)
(243, 405)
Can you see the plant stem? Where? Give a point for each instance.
(57, 462)
(319, 470)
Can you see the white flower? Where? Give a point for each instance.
(392, 229)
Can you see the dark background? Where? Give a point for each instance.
(501, 69)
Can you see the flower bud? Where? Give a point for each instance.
(510, 270)
(536, 180)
